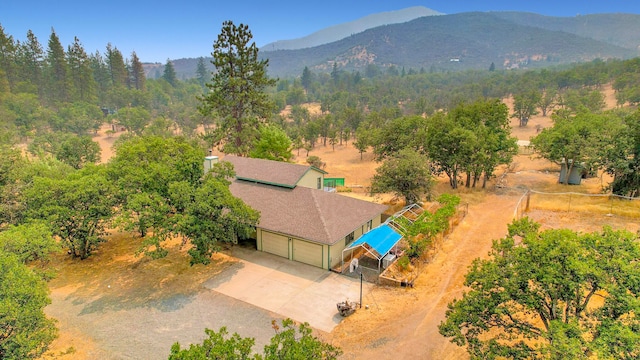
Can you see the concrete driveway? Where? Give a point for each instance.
(291, 289)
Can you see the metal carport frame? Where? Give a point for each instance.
(379, 242)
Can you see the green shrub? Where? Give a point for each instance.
(315, 161)
(418, 245)
(403, 263)
(428, 225)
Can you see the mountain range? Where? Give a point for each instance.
(473, 40)
(341, 31)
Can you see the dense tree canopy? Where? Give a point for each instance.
(77, 208)
(28, 242)
(145, 170)
(621, 156)
(162, 192)
(20, 178)
(553, 294)
(25, 330)
(472, 138)
(215, 216)
(288, 342)
(73, 150)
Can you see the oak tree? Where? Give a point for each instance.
(525, 105)
(214, 216)
(407, 174)
(273, 144)
(25, 330)
(553, 294)
(76, 207)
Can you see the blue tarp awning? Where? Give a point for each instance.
(380, 239)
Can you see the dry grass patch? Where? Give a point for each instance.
(586, 203)
(120, 278)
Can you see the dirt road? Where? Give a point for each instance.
(403, 323)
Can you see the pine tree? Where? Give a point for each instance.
(57, 81)
(136, 73)
(307, 78)
(335, 74)
(170, 73)
(30, 60)
(116, 66)
(201, 73)
(83, 85)
(237, 89)
(101, 76)
(7, 58)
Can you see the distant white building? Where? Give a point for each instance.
(525, 147)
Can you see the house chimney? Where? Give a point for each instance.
(209, 161)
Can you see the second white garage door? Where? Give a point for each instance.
(275, 244)
(308, 253)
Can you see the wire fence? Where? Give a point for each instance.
(609, 204)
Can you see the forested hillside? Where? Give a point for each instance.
(341, 31)
(452, 43)
(460, 41)
(616, 29)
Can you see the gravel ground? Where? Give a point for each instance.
(122, 330)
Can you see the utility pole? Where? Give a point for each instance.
(361, 290)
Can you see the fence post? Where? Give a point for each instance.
(610, 204)
(526, 208)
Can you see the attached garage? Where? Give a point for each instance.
(275, 244)
(302, 251)
(307, 252)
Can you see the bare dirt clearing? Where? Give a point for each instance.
(114, 305)
(144, 295)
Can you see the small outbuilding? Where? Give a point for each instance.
(525, 147)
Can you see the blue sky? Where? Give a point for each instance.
(159, 30)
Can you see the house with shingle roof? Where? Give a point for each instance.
(298, 219)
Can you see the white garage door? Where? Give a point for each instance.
(275, 244)
(308, 253)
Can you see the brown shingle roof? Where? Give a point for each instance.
(306, 213)
(268, 171)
